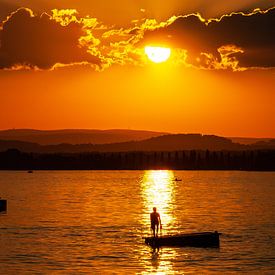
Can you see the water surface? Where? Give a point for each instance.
(93, 221)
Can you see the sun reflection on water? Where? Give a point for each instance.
(157, 189)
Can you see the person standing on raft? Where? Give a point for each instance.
(155, 221)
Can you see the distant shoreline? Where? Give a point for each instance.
(249, 160)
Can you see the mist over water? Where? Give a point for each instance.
(94, 221)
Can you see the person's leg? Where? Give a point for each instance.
(153, 229)
(157, 229)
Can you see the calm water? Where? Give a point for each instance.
(93, 222)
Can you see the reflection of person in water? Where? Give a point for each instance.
(155, 259)
(155, 221)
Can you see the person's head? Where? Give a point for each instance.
(154, 209)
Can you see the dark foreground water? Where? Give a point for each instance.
(93, 222)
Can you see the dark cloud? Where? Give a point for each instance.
(236, 41)
(251, 38)
(39, 41)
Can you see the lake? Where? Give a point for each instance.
(82, 222)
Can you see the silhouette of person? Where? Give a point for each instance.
(155, 221)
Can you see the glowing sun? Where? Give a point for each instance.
(158, 54)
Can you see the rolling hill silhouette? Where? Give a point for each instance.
(248, 141)
(84, 136)
(162, 143)
(51, 137)
(170, 142)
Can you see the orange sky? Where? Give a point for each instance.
(166, 99)
(129, 91)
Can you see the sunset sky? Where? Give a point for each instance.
(82, 64)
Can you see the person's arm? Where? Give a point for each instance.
(160, 225)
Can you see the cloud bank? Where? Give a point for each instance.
(237, 41)
(41, 42)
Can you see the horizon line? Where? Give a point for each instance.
(134, 130)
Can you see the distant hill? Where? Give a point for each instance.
(84, 136)
(179, 142)
(52, 137)
(161, 143)
(169, 142)
(248, 141)
(269, 144)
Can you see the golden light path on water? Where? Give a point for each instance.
(157, 190)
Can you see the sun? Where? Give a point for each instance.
(158, 54)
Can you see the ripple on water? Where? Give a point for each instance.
(93, 222)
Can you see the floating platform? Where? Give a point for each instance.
(3, 205)
(203, 239)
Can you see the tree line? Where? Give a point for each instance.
(252, 160)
